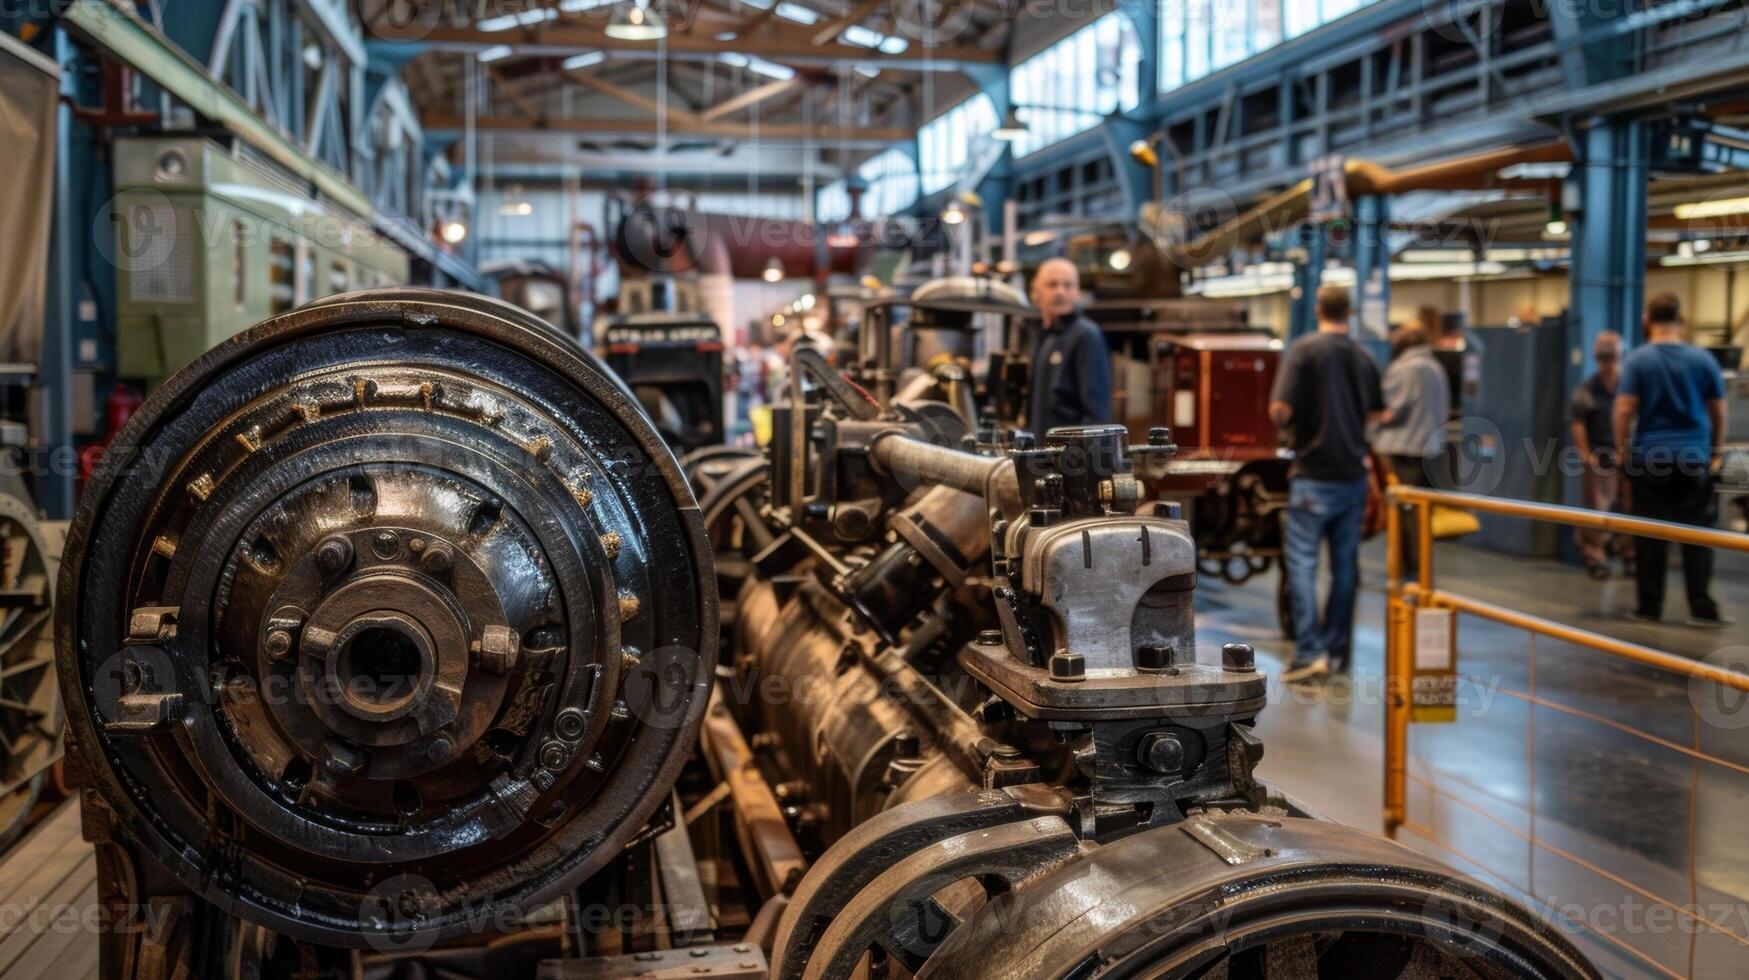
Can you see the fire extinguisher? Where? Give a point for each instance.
(122, 403)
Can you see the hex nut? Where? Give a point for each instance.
(497, 649)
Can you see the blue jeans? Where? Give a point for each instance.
(1319, 511)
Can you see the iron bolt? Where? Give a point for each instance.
(439, 749)
(1154, 657)
(342, 760)
(1163, 753)
(1239, 658)
(334, 554)
(279, 644)
(555, 755)
(386, 544)
(990, 638)
(1068, 667)
(438, 558)
(570, 724)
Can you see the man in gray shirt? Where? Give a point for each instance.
(1417, 404)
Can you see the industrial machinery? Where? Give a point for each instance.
(540, 289)
(209, 241)
(387, 619)
(964, 729)
(31, 722)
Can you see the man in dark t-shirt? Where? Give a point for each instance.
(1670, 420)
(1326, 393)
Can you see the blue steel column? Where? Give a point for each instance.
(54, 483)
(1372, 275)
(1608, 285)
(1308, 275)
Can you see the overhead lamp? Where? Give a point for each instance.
(1034, 239)
(777, 320)
(807, 301)
(495, 52)
(1119, 260)
(1012, 128)
(453, 231)
(1718, 208)
(1143, 153)
(1555, 227)
(587, 59)
(637, 23)
(954, 213)
(773, 270)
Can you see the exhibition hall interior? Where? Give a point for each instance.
(874, 489)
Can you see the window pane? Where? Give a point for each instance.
(1196, 39)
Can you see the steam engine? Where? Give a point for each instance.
(963, 727)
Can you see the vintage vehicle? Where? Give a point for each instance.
(392, 657)
(673, 362)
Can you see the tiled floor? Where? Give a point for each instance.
(1622, 818)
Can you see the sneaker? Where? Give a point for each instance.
(1645, 617)
(1714, 622)
(1310, 670)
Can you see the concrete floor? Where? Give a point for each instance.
(1622, 819)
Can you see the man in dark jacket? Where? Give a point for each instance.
(1071, 371)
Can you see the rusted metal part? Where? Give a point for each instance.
(387, 616)
(776, 857)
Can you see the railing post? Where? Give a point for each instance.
(1396, 702)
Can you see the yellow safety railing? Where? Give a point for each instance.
(1405, 598)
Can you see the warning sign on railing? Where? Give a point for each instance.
(1433, 688)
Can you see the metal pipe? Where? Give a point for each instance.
(907, 458)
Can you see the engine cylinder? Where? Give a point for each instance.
(389, 614)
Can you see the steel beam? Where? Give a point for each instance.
(560, 41)
(136, 43)
(436, 123)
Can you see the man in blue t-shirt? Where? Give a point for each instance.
(1669, 426)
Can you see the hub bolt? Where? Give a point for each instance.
(386, 544)
(279, 644)
(334, 554)
(438, 559)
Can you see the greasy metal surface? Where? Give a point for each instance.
(404, 612)
(1164, 903)
(896, 912)
(863, 854)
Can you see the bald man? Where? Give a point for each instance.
(1071, 371)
